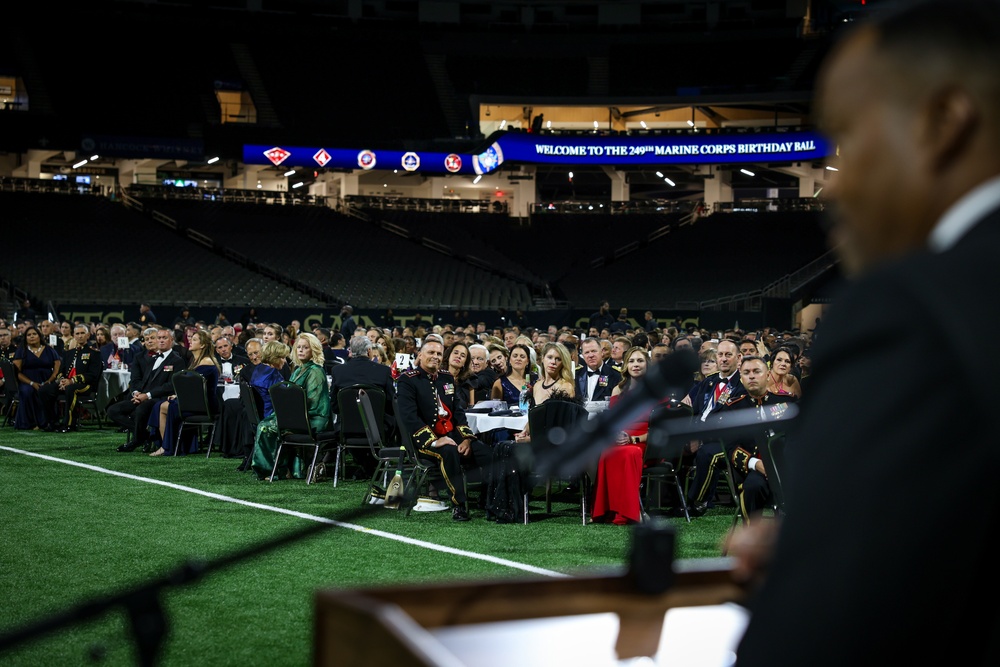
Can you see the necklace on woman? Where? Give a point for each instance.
(37, 351)
(549, 386)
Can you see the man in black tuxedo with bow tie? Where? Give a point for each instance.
(706, 398)
(595, 379)
(153, 383)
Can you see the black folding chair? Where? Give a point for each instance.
(663, 466)
(253, 404)
(351, 432)
(390, 459)
(294, 429)
(544, 422)
(192, 403)
(773, 454)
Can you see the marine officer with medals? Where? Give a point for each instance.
(80, 372)
(429, 411)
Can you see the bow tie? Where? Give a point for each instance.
(592, 373)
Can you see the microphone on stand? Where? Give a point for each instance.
(573, 450)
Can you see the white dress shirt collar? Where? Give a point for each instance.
(964, 214)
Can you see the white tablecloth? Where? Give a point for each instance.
(113, 383)
(481, 422)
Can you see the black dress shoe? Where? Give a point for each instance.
(459, 513)
(49, 428)
(245, 465)
(129, 446)
(123, 429)
(698, 509)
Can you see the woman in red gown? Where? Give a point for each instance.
(619, 472)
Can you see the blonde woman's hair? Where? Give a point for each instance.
(273, 351)
(566, 372)
(314, 346)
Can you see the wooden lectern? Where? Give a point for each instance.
(397, 625)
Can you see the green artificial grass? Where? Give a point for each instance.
(72, 534)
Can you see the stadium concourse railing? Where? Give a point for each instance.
(784, 287)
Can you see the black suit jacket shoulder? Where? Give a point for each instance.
(361, 371)
(895, 317)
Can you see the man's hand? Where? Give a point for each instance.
(464, 447)
(445, 440)
(751, 548)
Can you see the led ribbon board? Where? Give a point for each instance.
(528, 148)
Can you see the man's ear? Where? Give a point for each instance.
(950, 119)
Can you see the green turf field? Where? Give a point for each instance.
(73, 533)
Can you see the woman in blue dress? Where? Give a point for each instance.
(508, 387)
(309, 375)
(273, 357)
(166, 416)
(36, 364)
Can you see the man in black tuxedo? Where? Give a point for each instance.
(253, 348)
(50, 330)
(360, 369)
(153, 382)
(705, 399)
(892, 503)
(225, 354)
(482, 376)
(595, 379)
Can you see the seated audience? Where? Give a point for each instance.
(36, 364)
(308, 374)
(267, 373)
(79, 373)
(166, 416)
(619, 470)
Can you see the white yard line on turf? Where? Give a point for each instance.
(309, 517)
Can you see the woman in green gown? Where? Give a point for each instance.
(308, 373)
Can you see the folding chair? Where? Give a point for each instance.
(289, 403)
(390, 459)
(192, 403)
(88, 401)
(773, 454)
(661, 453)
(253, 404)
(543, 422)
(351, 429)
